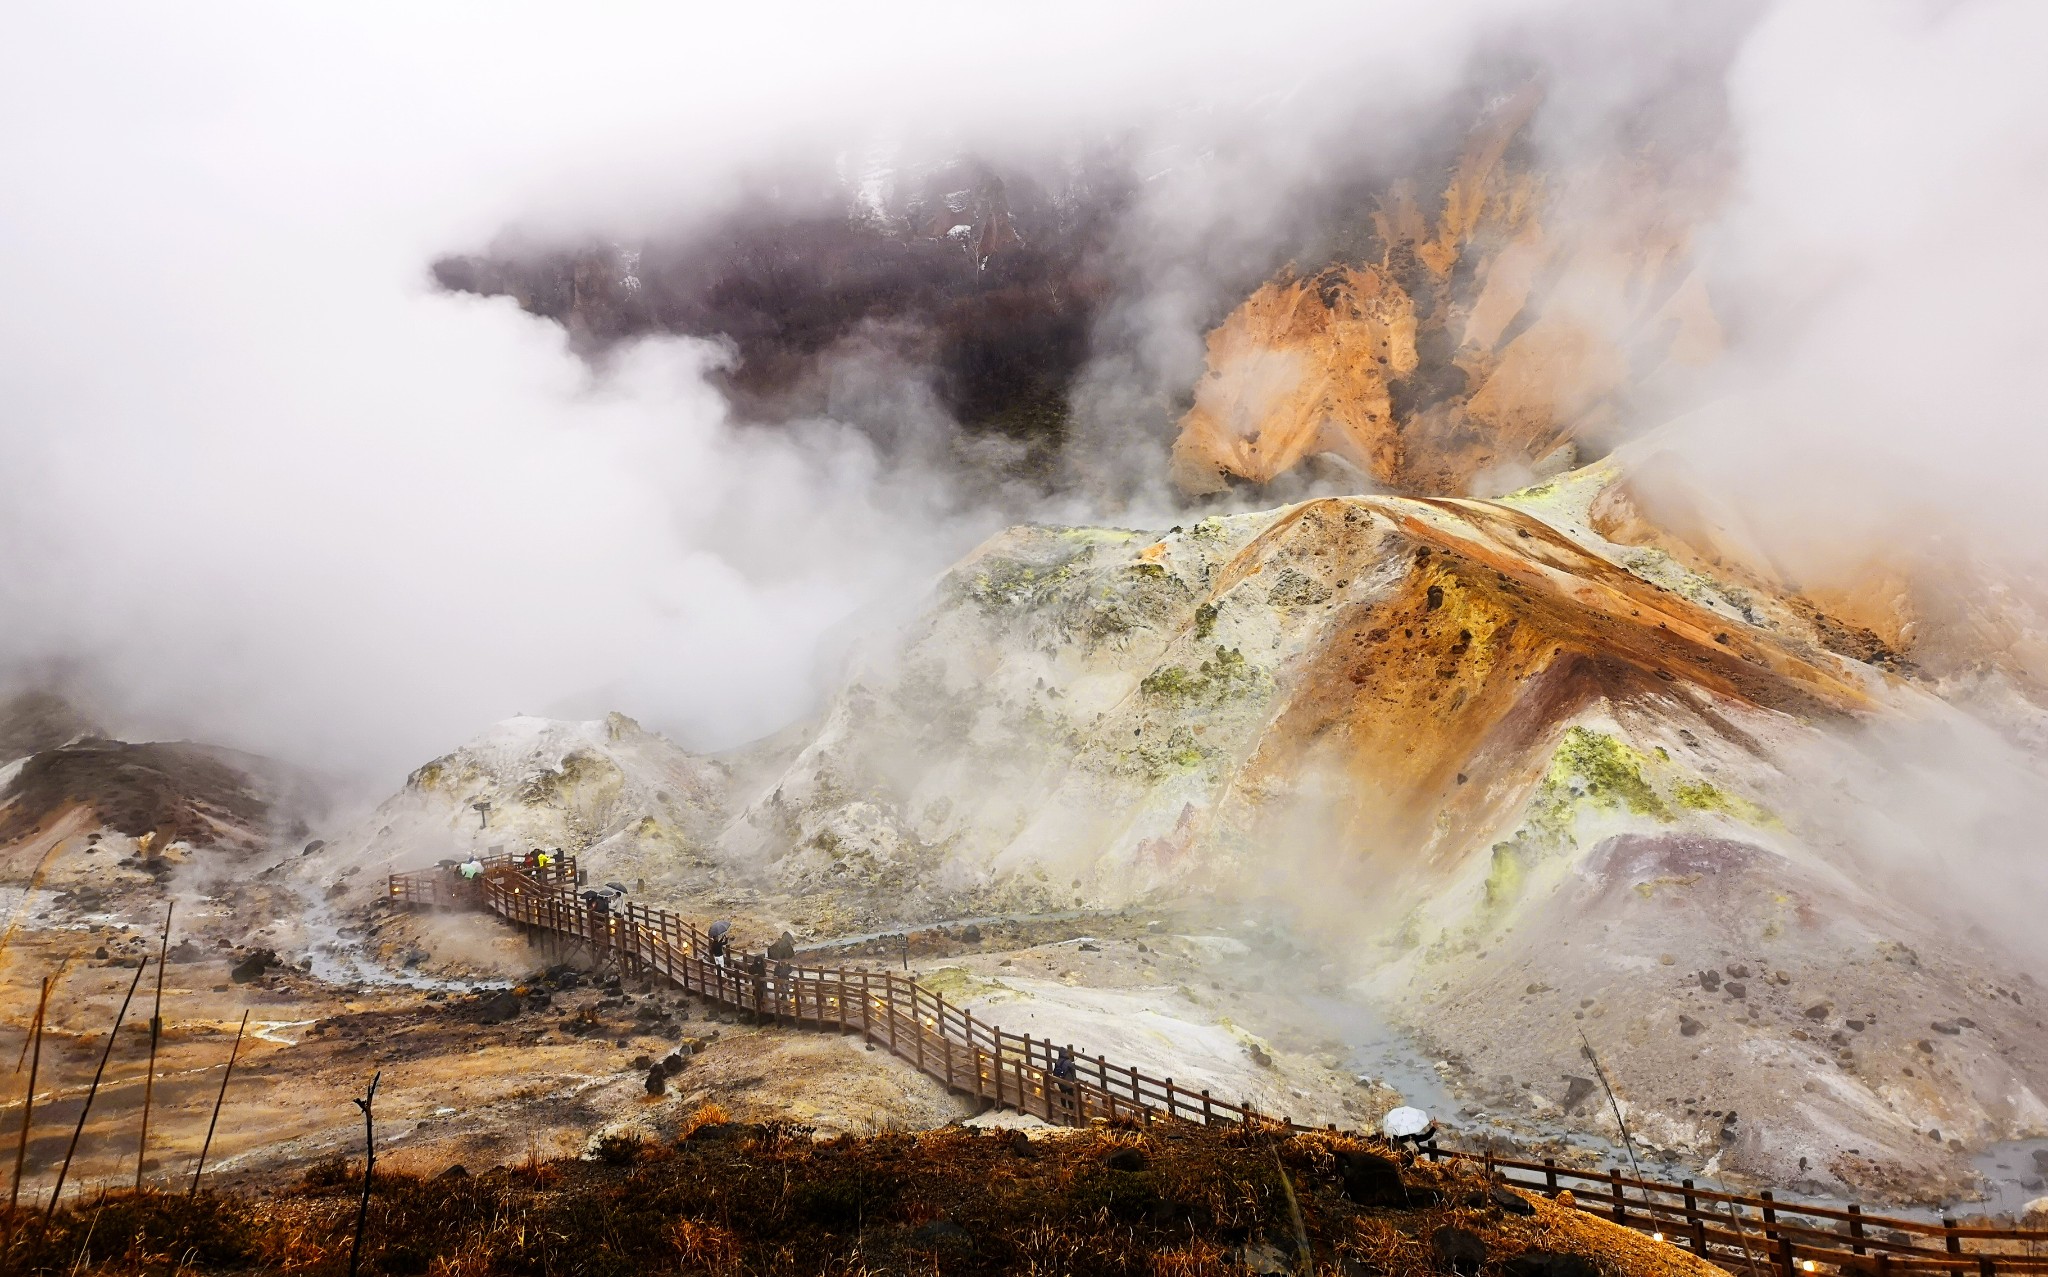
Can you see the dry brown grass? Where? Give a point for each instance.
(775, 1200)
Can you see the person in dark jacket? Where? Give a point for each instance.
(1063, 1075)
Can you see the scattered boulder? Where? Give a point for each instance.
(500, 1006)
(314, 846)
(1710, 980)
(657, 1080)
(1549, 1263)
(1737, 990)
(673, 1063)
(971, 934)
(253, 966)
(1128, 1158)
(1689, 1027)
(1089, 946)
(1259, 1056)
(1819, 1011)
(185, 951)
(641, 1063)
(457, 1171)
(1949, 1027)
(1577, 1090)
(1458, 1250)
(1738, 971)
(783, 949)
(1021, 1145)
(1509, 1200)
(1370, 1179)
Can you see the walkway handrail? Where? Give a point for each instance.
(1015, 1071)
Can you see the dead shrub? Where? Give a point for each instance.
(621, 1147)
(704, 1245)
(1196, 1259)
(707, 1114)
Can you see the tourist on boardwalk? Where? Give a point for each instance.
(1063, 1073)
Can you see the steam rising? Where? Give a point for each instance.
(266, 487)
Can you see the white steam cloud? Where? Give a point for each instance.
(264, 487)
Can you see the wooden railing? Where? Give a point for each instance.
(446, 888)
(1008, 1070)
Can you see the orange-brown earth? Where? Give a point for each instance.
(1481, 344)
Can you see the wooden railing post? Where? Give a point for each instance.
(1774, 1245)
(1550, 1176)
(1697, 1225)
(1953, 1243)
(1855, 1229)
(1620, 1202)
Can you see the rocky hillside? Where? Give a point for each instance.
(1509, 771)
(1482, 336)
(986, 274)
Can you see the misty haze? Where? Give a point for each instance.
(1135, 639)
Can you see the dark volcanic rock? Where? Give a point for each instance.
(987, 274)
(1577, 1090)
(1549, 1263)
(252, 966)
(1509, 1200)
(1371, 1180)
(499, 1007)
(1127, 1158)
(1458, 1250)
(783, 949)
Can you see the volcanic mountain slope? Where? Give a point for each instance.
(987, 275)
(1137, 710)
(628, 800)
(1513, 772)
(58, 767)
(1471, 350)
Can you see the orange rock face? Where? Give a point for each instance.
(1481, 346)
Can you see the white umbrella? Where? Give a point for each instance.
(1404, 1122)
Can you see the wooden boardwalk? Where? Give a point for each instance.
(1749, 1234)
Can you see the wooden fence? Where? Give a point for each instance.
(973, 1057)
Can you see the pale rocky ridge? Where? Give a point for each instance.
(1519, 781)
